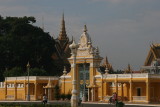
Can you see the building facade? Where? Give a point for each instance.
(93, 84)
(16, 88)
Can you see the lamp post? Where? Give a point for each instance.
(28, 95)
(84, 82)
(74, 98)
(64, 74)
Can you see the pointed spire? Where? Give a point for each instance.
(105, 61)
(153, 50)
(49, 84)
(72, 39)
(129, 67)
(64, 71)
(97, 50)
(62, 34)
(42, 23)
(91, 50)
(85, 28)
(90, 39)
(28, 65)
(106, 70)
(128, 70)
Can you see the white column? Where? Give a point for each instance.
(147, 92)
(131, 91)
(92, 91)
(88, 94)
(74, 98)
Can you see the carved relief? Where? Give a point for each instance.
(82, 53)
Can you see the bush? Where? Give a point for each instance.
(63, 96)
(68, 96)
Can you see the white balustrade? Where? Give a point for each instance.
(10, 97)
(142, 75)
(136, 75)
(124, 75)
(32, 78)
(139, 98)
(2, 84)
(154, 75)
(31, 97)
(106, 98)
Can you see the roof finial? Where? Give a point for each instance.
(64, 71)
(63, 16)
(85, 28)
(106, 61)
(129, 67)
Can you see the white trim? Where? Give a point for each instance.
(136, 75)
(99, 81)
(32, 78)
(66, 81)
(65, 77)
(98, 76)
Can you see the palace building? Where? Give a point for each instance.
(16, 88)
(94, 84)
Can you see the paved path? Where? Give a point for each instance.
(84, 104)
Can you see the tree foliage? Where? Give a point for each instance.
(21, 41)
(16, 71)
(56, 92)
(37, 72)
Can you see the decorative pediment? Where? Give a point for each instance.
(85, 45)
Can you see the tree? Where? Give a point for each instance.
(56, 92)
(21, 41)
(37, 72)
(13, 72)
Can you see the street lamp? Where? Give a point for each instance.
(74, 98)
(64, 74)
(28, 95)
(84, 82)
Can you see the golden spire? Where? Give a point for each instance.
(152, 50)
(28, 65)
(129, 67)
(62, 34)
(42, 23)
(85, 28)
(50, 84)
(128, 70)
(106, 61)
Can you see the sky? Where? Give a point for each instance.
(122, 29)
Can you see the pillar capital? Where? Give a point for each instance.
(130, 81)
(147, 82)
(148, 91)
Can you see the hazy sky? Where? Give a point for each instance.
(122, 29)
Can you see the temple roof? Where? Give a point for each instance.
(62, 44)
(153, 54)
(106, 66)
